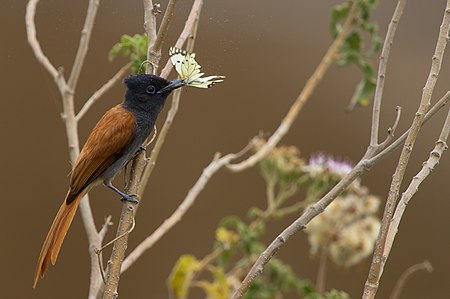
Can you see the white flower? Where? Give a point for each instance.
(347, 229)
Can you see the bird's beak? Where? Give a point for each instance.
(174, 84)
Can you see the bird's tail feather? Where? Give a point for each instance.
(55, 236)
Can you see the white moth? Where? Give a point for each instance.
(189, 69)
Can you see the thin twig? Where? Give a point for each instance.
(427, 167)
(105, 227)
(391, 130)
(101, 91)
(378, 263)
(215, 165)
(102, 234)
(322, 272)
(154, 49)
(84, 43)
(133, 224)
(155, 133)
(100, 266)
(35, 45)
(382, 71)
(304, 95)
(425, 265)
(150, 30)
(436, 107)
(99, 251)
(293, 208)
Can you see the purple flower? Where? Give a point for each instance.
(321, 164)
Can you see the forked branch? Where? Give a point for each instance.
(378, 263)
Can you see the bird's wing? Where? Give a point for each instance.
(114, 131)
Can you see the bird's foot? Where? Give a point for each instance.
(130, 198)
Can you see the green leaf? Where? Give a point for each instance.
(125, 40)
(134, 47)
(364, 91)
(181, 275)
(225, 256)
(353, 41)
(353, 50)
(335, 294)
(231, 222)
(338, 14)
(254, 212)
(114, 51)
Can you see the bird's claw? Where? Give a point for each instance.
(130, 198)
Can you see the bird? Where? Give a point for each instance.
(114, 141)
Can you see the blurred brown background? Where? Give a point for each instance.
(267, 49)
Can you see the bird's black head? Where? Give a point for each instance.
(148, 93)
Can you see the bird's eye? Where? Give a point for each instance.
(151, 89)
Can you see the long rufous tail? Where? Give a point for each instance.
(55, 237)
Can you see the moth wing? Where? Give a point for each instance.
(189, 70)
(207, 82)
(177, 58)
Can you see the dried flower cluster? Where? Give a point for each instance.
(283, 164)
(347, 229)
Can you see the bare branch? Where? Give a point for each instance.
(105, 227)
(436, 107)
(304, 95)
(425, 265)
(391, 130)
(150, 29)
(164, 25)
(382, 71)
(94, 241)
(377, 265)
(36, 47)
(376, 269)
(154, 51)
(71, 126)
(125, 222)
(427, 167)
(101, 91)
(84, 43)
